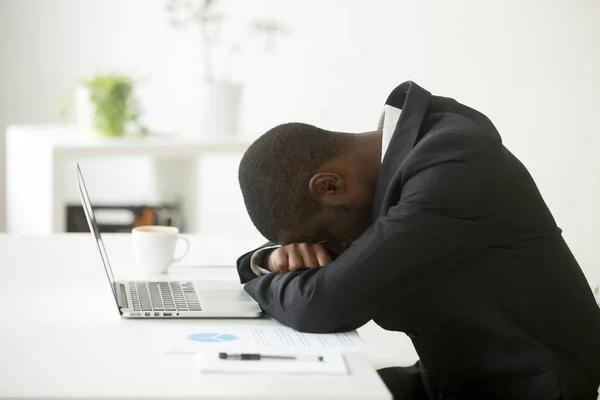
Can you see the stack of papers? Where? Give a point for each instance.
(207, 341)
(250, 338)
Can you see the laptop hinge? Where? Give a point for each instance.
(121, 296)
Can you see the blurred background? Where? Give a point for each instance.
(158, 99)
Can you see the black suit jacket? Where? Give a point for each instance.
(464, 257)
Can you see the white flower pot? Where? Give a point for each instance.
(222, 108)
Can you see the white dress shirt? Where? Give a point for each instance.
(390, 120)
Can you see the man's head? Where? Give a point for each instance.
(301, 183)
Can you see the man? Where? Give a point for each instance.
(429, 227)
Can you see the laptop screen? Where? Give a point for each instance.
(89, 214)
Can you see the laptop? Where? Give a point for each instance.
(169, 298)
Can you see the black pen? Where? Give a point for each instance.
(256, 357)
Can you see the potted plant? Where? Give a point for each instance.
(223, 93)
(106, 104)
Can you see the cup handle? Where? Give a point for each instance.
(187, 248)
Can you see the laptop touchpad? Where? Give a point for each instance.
(225, 295)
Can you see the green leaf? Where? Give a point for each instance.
(115, 105)
(268, 26)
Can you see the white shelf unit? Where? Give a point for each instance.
(36, 158)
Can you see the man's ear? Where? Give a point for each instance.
(325, 184)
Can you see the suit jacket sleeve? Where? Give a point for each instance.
(244, 264)
(440, 218)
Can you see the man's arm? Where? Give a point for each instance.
(251, 264)
(295, 255)
(441, 219)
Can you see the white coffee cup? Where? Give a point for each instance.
(154, 247)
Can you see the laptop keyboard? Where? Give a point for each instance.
(164, 296)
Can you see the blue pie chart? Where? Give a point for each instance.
(211, 337)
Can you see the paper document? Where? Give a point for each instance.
(333, 363)
(203, 338)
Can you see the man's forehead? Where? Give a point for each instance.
(305, 235)
(312, 230)
(288, 237)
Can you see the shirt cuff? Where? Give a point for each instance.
(258, 258)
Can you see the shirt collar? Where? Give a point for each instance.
(390, 120)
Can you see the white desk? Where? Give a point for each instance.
(61, 336)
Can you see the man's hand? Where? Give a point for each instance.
(297, 255)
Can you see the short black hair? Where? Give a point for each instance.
(275, 171)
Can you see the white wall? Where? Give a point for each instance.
(532, 66)
(3, 63)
